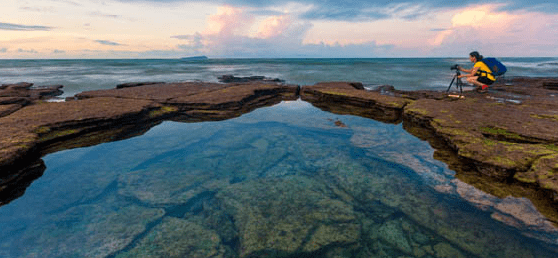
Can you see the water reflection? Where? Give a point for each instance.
(272, 183)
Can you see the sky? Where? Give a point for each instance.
(31, 29)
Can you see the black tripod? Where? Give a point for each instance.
(458, 82)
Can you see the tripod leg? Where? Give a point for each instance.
(452, 80)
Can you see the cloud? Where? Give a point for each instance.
(3, 50)
(20, 27)
(229, 21)
(507, 32)
(27, 51)
(57, 51)
(49, 9)
(274, 26)
(68, 2)
(439, 29)
(194, 43)
(108, 43)
(228, 35)
(104, 15)
(360, 10)
(340, 10)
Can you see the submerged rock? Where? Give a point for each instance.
(288, 216)
(178, 238)
(102, 231)
(513, 139)
(303, 203)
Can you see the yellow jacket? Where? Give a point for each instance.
(484, 70)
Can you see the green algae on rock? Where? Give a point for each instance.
(37, 128)
(349, 98)
(266, 189)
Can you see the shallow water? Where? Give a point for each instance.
(277, 182)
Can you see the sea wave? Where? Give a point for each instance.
(402, 73)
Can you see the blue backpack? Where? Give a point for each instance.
(495, 66)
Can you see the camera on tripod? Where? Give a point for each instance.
(456, 79)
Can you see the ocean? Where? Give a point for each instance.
(403, 73)
(280, 181)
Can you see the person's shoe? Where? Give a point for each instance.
(483, 89)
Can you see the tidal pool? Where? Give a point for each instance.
(283, 181)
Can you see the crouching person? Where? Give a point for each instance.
(480, 75)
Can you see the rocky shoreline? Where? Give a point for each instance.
(503, 142)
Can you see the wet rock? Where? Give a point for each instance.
(344, 98)
(551, 85)
(136, 84)
(233, 79)
(17, 86)
(13, 185)
(47, 91)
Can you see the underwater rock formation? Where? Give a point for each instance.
(31, 128)
(508, 134)
(265, 189)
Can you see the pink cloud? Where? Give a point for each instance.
(231, 31)
(229, 21)
(274, 26)
(499, 32)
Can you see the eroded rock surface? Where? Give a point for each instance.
(351, 98)
(508, 135)
(279, 190)
(31, 127)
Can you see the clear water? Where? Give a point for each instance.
(403, 73)
(277, 182)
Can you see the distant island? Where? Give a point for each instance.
(194, 58)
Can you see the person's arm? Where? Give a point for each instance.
(464, 70)
(470, 72)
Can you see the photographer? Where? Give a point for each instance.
(480, 75)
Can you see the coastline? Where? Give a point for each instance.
(505, 137)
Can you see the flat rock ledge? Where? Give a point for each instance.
(504, 142)
(34, 127)
(507, 135)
